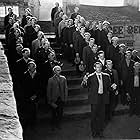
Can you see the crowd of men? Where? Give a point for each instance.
(91, 47)
(31, 63)
(94, 50)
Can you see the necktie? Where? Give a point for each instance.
(99, 77)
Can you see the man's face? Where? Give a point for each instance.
(51, 56)
(137, 66)
(70, 22)
(115, 41)
(40, 35)
(57, 71)
(109, 35)
(128, 56)
(94, 48)
(82, 30)
(98, 68)
(91, 42)
(100, 25)
(11, 21)
(105, 25)
(76, 21)
(87, 37)
(87, 24)
(32, 67)
(101, 56)
(109, 65)
(26, 54)
(10, 10)
(33, 21)
(57, 4)
(122, 49)
(17, 33)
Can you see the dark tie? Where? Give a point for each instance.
(99, 77)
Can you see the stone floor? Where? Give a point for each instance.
(121, 127)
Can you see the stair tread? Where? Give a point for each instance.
(78, 97)
(77, 109)
(82, 109)
(71, 87)
(74, 78)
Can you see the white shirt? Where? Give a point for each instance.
(102, 61)
(136, 81)
(100, 80)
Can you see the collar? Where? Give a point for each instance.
(103, 61)
(98, 73)
(32, 74)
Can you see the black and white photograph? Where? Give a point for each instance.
(69, 69)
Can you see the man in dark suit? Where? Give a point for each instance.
(10, 14)
(126, 71)
(31, 88)
(80, 43)
(113, 98)
(21, 67)
(21, 64)
(136, 87)
(90, 55)
(101, 59)
(98, 84)
(101, 37)
(54, 10)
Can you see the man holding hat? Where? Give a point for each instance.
(57, 92)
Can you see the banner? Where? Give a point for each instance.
(126, 30)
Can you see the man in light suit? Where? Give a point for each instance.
(57, 92)
(98, 84)
(36, 43)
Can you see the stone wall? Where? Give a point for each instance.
(10, 128)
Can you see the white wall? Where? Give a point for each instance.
(47, 5)
(103, 2)
(45, 9)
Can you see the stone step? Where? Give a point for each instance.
(76, 100)
(69, 72)
(84, 110)
(75, 80)
(77, 110)
(76, 90)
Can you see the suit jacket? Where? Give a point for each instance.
(113, 76)
(127, 75)
(100, 39)
(103, 65)
(133, 94)
(75, 36)
(35, 46)
(57, 88)
(21, 67)
(89, 58)
(6, 19)
(93, 85)
(31, 86)
(54, 10)
(80, 43)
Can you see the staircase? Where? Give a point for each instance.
(77, 104)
